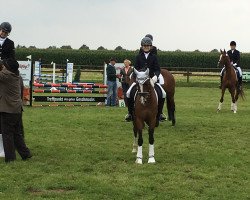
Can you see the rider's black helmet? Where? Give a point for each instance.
(150, 36)
(232, 43)
(6, 27)
(146, 41)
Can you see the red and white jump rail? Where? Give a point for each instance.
(70, 91)
(70, 85)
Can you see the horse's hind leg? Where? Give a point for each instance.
(171, 109)
(135, 140)
(139, 151)
(151, 153)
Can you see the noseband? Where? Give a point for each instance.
(143, 95)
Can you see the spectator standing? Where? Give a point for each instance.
(10, 111)
(125, 78)
(111, 82)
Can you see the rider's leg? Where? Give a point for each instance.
(130, 100)
(239, 77)
(161, 101)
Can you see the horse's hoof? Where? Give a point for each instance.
(134, 150)
(138, 161)
(234, 112)
(173, 122)
(151, 160)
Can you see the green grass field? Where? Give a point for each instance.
(85, 153)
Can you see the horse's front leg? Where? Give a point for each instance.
(139, 149)
(233, 104)
(221, 99)
(151, 153)
(135, 140)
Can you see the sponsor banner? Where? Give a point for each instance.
(70, 67)
(67, 99)
(25, 72)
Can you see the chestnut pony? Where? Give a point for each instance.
(229, 81)
(146, 108)
(169, 88)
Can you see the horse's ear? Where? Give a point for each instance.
(221, 51)
(147, 72)
(224, 51)
(136, 72)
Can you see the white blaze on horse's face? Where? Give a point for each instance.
(220, 57)
(142, 77)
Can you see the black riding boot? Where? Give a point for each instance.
(239, 82)
(129, 116)
(160, 108)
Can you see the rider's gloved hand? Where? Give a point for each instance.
(235, 64)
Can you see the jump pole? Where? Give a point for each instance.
(54, 72)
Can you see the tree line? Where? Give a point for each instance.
(101, 48)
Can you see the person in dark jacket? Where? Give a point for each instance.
(7, 47)
(234, 56)
(153, 49)
(146, 60)
(111, 82)
(10, 111)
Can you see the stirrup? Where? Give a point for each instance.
(162, 117)
(128, 117)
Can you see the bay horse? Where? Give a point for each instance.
(146, 108)
(229, 81)
(169, 88)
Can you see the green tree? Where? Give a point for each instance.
(101, 48)
(66, 47)
(52, 47)
(77, 75)
(20, 47)
(119, 48)
(84, 47)
(214, 51)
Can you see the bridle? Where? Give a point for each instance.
(143, 95)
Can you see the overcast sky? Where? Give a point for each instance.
(175, 24)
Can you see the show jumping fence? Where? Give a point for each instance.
(85, 93)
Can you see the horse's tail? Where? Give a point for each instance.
(242, 94)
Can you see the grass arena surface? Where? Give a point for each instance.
(85, 153)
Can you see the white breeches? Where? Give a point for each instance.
(240, 71)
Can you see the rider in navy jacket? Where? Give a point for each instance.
(7, 47)
(143, 61)
(151, 62)
(234, 56)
